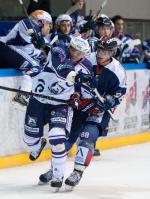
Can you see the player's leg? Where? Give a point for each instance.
(33, 128)
(76, 129)
(103, 130)
(84, 154)
(61, 119)
(78, 121)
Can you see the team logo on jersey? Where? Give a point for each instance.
(56, 88)
(60, 53)
(32, 122)
(53, 113)
(64, 66)
(40, 86)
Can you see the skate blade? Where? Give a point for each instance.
(54, 189)
(97, 158)
(68, 188)
(40, 183)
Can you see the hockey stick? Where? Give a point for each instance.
(26, 14)
(99, 11)
(72, 10)
(32, 94)
(95, 17)
(54, 40)
(52, 98)
(101, 99)
(131, 43)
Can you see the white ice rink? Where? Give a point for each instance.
(122, 173)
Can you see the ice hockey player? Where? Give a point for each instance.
(146, 50)
(56, 113)
(26, 40)
(64, 27)
(111, 84)
(130, 54)
(103, 27)
(78, 15)
(77, 51)
(52, 82)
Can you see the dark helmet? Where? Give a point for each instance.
(104, 21)
(105, 43)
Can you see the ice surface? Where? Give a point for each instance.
(122, 173)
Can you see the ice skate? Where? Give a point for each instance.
(73, 180)
(35, 154)
(45, 178)
(56, 184)
(21, 99)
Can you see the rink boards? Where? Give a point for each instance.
(131, 125)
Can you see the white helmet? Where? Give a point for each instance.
(80, 44)
(63, 17)
(42, 16)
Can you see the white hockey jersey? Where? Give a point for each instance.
(52, 81)
(20, 37)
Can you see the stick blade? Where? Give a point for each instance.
(21, 2)
(134, 42)
(71, 10)
(104, 4)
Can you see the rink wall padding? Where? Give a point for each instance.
(131, 126)
(105, 144)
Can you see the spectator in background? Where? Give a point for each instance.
(146, 50)
(64, 27)
(129, 54)
(78, 15)
(38, 5)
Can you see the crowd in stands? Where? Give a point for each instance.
(94, 29)
(133, 54)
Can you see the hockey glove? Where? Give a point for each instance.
(74, 100)
(90, 106)
(90, 25)
(38, 41)
(85, 79)
(109, 102)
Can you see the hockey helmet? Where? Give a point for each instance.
(80, 44)
(104, 21)
(63, 17)
(108, 44)
(41, 15)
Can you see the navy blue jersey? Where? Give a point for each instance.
(112, 80)
(63, 40)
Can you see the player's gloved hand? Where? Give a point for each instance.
(82, 78)
(91, 107)
(109, 102)
(38, 41)
(89, 25)
(75, 100)
(85, 79)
